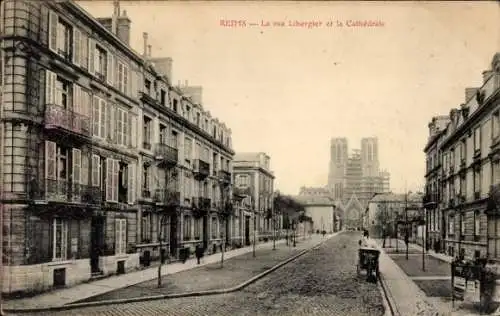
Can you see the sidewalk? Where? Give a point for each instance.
(407, 296)
(85, 291)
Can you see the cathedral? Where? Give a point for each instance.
(353, 180)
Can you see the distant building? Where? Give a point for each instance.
(314, 191)
(354, 179)
(254, 179)
(321, 209)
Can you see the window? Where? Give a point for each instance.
(214, 162)
(463, 151)
(215, 228)
(242, 181)
(100, 62)
(96, 171)
(197, 228)
(147, 226)
(187, 187)
(477, 224)
(495, 128)
(187, 227)
(198, 119)
(60, 239)
(477, 182)
(163, 134)
(451, 225)
(146, 133)
(174, 105)
(122, 127)
(147, 86)
(112, 177)
(131, 183)
(60, 36)
(62, 93)
(188, 113)
(173, 139)
(99, 117)
(477, 139)
(163, 98)
(188, 148)
(145, 180)
(463, 184)
(120, 236)
(122, 78)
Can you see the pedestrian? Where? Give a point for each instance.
(199, 252)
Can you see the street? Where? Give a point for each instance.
(322, 282)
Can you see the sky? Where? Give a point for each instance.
(288, 90)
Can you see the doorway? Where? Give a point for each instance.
(247, 230)
(205, 232)
(96, 242)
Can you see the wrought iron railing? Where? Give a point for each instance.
(57, 116)
(167, 197)
(166, 153)
(64, 191)
(201, 168)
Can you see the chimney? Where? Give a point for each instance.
(114, 17)
(123, 26)
(486, 75)
(145, 37)
(469, 93)
(149, 51)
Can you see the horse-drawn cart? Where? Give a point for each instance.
(368, 260)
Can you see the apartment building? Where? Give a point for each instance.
(471, 169)
(254, 179)
(101, 153)
(434, 183)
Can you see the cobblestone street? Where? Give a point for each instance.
(322, 282)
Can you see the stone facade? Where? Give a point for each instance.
(458, 184)
(100, 151)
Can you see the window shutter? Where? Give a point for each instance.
(96, 115)
(109, 121)
(84, 51)
(96, 171)
(125, 132)
(77, 166)
(133, 83)
(131, 187)
(91, 54)
(110, 69)
(53, 21)
(116, 171)
(117, 115)
(77, 97)
(133, 131)
(123, 239)
(102, 121)
(117, 236)
(85, 170)
(109, 179)
(50, 87)
(76, 46)
(50, 160)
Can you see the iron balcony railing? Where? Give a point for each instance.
(225, 176)
(166, 154)
(201, 169)
(64, 191)
(58, 117)
(167, 197)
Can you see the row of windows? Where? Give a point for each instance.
(83, 51)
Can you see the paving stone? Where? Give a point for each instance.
(323, 282)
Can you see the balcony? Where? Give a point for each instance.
(61, 191)
(203, 203)
(430, 200)
(167, 197)
(168, 156)
(66, 121)
(225, 176)
(201, 169)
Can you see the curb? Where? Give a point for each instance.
(388, 299)
(170, 296)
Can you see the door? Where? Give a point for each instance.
(247, 230)
(173, 235)
(205, 232)
(96, 242)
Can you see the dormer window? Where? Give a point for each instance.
(174, 105)
(147, 86)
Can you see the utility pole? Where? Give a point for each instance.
(423, 240)
(406, 224)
